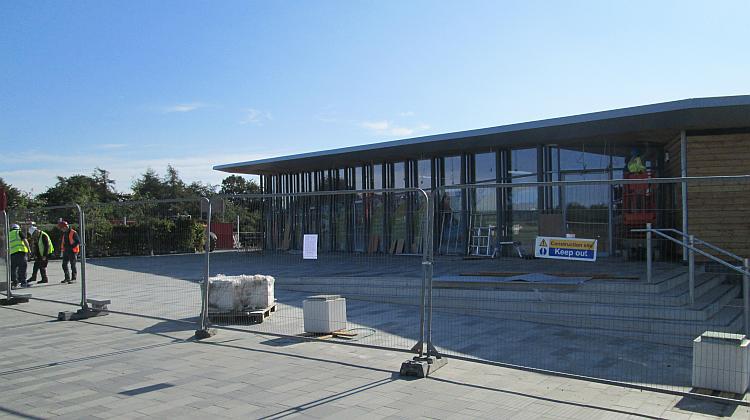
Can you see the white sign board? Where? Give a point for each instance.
(565, 248)
(310, 247)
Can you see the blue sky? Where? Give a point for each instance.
(135, 84)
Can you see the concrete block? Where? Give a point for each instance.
(721, 362)
(324, 313)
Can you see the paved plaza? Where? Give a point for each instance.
(169, 287)
(121, 366)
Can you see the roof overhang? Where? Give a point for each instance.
(657, 122)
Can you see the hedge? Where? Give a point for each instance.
(150, 237)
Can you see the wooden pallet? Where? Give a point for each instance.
(256, 316)
(336, 334)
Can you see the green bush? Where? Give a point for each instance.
(199, 237)
(151, 236)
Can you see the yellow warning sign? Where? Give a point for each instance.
(572, 243)
(576, 249)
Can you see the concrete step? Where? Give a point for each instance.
(661, 285)
(724, 320)
(678, 296)
(703, 309)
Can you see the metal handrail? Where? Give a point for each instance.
(708, 244)
(691, 247)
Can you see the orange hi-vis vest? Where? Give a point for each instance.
(64, 245)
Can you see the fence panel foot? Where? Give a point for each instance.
(80, 314)
(421, 367)
(14, 300)
(202, 334)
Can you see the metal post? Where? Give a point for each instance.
(431, 350)
(746, 295)
(610, 210)
(691, 267)
(426, 263)
(649, 254)
(82, 237)
(203, 331)
(683, 173)
(6, 245)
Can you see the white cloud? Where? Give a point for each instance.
(110, 146)
(124, 168)
(183, 107)
(255, 116)
(376, 125)
(406, 114)
(387, 128)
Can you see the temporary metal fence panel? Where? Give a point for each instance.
(602, 319)
(367, 247)
(465, 252)
(45, 221)
(147, 257)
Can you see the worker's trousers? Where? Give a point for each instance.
(18, 268)
(69, 257)
(40, 266)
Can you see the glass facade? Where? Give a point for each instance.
(484, 200)
(524, 200)
(399, 207)
(391, 222)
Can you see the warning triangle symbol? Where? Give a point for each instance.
(543, 243)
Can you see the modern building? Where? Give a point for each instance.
(692, 137)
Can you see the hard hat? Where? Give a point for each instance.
(32, 229)
(15, 226)
(62, 224)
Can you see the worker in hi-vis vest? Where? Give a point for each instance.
(635, 164)
(42, 250)
(69, 247)
(19, 253)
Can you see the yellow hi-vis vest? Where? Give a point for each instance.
(44, 238)
(16, 243)
(635, 165)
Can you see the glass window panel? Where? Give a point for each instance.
(399, 205)
(424, 174)
(484, 199)
(399, 175)
(452, 226)
(524, 200)
(583, 158)
(452, 172)
(587, 207)
(523, 164)
(377, 210)
(484, 168)
(377, 176)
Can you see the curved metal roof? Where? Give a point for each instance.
(662, 120)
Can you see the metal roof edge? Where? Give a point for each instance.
(678, 105)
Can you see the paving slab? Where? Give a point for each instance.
(141, 373)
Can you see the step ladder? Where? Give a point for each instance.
(481, 241)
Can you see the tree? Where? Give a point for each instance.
(199, 189)
(235, 184)
(16, 197)
(104, 185)
(81, 189)
(148, 186)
